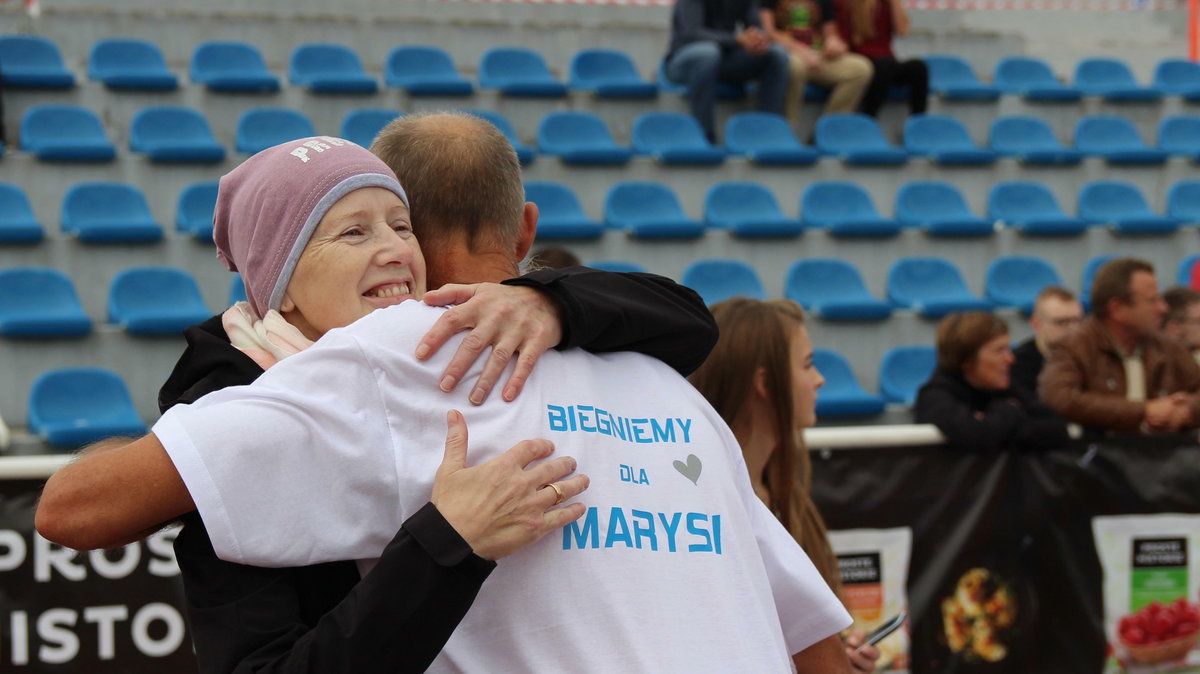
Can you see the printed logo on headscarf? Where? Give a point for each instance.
(324, 143)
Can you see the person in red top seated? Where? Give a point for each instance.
(870, 26)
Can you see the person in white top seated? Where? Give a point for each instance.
(675, 565)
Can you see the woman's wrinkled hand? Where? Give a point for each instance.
(504, 504)
(513, 320)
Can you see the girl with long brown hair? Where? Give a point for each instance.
(761, 379)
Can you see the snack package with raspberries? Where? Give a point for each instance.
(1151, 591)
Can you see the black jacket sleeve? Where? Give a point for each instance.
(992, 431)
(606, 311)
(319, 618)
(250, 620)
(692, 25)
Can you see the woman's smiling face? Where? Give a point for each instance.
(363, 256)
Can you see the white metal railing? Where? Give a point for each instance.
(841, 437)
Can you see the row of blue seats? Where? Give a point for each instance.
(72, 407)
(651, 211)
(518, 71)
(832, 289)
(181, 134)
(113, 212)
(40, 302)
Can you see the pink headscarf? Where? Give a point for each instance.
(270, 205)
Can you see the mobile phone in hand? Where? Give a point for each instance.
(885, 629)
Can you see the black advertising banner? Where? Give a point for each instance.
(98, 612)
(1005, 573)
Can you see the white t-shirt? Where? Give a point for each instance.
(676, 567)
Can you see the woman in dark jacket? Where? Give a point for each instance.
(970, 397)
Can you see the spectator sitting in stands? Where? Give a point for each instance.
(707, 48)
(1118, 371)
(807, 29)
(761, 379)
(1056, 314)
(871, 25)
(1183, 318)
(553, 257)
(970, 397)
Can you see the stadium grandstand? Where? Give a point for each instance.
(120, 115)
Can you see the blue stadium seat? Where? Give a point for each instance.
(842, 396)
(1178, 77)
(330, 69)
(37, 302)
(194, 214)
(953, 78)
(747, 210)
(261, 128)
(173, 134)
(608, 73)
(1184, 274)
(833, 290)
(106, 212)
(932, 287)
(580, 138)
(362, 125)
(1113, 80)
(559, 214)
(1183, 201)
(76, 406)
(939, 209)
(1033, 79)
(65, 133)
(231, 66)
(1030, 140)
(155, 301)
(726, 91)
(1031, 208)
(1180, 136)
(130, 64)
(944, 140)
(1090, 268)
(1115, 139)
(423, 70)
(1121, 206)
(648, 211)
(517, 71)
(904, 370)
(524, 153)
(766, 138)
(719, 280)
(844, 209)
(17, 222)
(237, 290)
(618, 266)
(1016, 280)
(33, 62)
(674, 138)
(856, 139)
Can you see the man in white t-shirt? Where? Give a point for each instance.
(663, 573)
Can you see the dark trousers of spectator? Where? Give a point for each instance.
(701, 65)
(889, 72)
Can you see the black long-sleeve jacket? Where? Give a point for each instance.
(323, 618)
(979, 421)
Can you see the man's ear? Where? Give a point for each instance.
(525, 237)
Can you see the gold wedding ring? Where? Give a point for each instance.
(558, 495)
